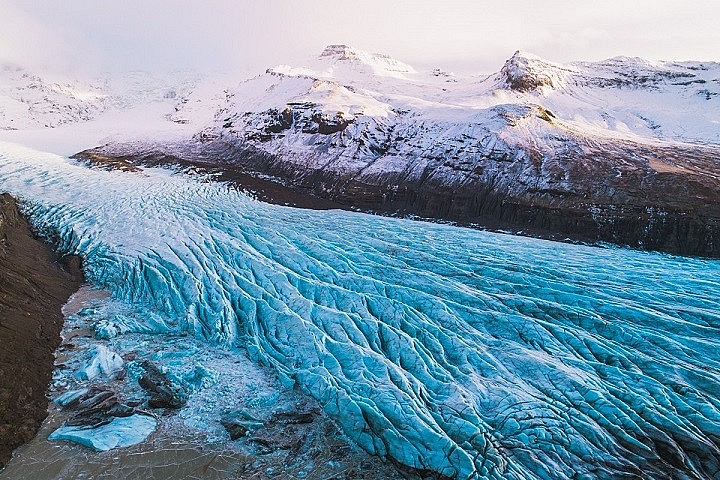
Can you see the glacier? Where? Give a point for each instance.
(471, 354)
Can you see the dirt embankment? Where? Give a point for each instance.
(34, 284)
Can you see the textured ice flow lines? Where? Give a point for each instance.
(472, 354)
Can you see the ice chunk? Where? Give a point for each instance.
(69, 397)
(119, 324)
(198, 378)
(120, 432)
(103, 363)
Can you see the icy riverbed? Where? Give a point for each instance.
(288, 437)
(473, 354)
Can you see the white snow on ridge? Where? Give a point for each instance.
(65, 115)
(619, 98)
(28, 100)
(380, 64)
(473, 354)
(334, 98)
(623, 98)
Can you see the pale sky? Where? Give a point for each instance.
(242, 35)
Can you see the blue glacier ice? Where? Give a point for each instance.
(70, 396)
(472, 354)
(119, 432)
(101, 363)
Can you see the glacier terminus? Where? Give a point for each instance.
(466, 353)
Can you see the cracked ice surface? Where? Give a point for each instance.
(469, 353)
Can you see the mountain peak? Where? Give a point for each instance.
(341, 52)
(526, 72)
(379, 63)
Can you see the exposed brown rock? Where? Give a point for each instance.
(33, 287)
(97, 407)
(163, 393)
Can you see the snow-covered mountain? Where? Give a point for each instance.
(31, 100)
(67, 113)
(28, 100)
(621, 97)
(622, 150)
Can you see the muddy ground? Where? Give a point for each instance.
(34, 284)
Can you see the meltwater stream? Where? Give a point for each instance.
(472, 354)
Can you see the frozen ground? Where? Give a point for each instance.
(473, 354)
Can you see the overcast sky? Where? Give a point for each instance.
(242, 35)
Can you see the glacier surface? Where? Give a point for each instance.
(468, 353)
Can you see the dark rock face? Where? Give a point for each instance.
(163, 392)
(524, 74)
(327, 125)
(664, 198)
(285, 430)
(235, 428)
(97, 407)
(33, 287)
(296, 116)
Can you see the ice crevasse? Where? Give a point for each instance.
(468, 353)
